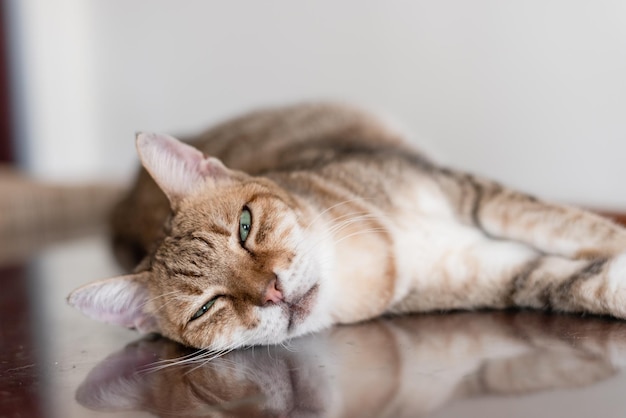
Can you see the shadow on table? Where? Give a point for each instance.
(405, 366)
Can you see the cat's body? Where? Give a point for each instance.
(337, 220)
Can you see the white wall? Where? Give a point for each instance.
(530, 92)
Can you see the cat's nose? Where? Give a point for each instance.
(272, 294)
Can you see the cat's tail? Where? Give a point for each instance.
(34, 212)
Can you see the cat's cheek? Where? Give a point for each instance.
(221, 333)
(265, 325)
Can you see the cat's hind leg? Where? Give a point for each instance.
(475, 271)
(595, 286)
(506, 214)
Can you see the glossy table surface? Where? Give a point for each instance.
(54, 362)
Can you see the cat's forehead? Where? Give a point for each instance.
(207, 225)
(221, 208)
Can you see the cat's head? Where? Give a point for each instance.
(237, 265)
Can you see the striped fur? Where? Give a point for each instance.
(349, 222)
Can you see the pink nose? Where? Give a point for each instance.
(272, 294)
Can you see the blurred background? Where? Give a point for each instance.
(529, 92)
(532, 93)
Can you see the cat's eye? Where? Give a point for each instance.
(245, 223)
(203, 309)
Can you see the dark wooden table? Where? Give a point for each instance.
(54, 362)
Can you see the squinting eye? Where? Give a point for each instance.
(204, 309)
(245, 223)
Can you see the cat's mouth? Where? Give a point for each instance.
(299, 309)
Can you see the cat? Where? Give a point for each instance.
(288, 220)
(410, 366)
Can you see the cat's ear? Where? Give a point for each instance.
(120, 300)
(179, 169)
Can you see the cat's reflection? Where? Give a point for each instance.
(406, 366)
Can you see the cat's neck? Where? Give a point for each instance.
(340, 231)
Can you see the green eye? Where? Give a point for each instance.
(204, 309)
(245, 223)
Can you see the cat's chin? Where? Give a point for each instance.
(299, 309)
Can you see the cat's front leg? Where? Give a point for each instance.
(506, 214)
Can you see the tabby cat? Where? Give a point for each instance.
(286, 221)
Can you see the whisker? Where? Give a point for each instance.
(322, 213)
(361, 233)
(165, 363)
(328, 234)
(341, 223)
(287, 345)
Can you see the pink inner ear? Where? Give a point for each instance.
(212, 167)
(120, 300)
(179, 169)
(172, 146)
